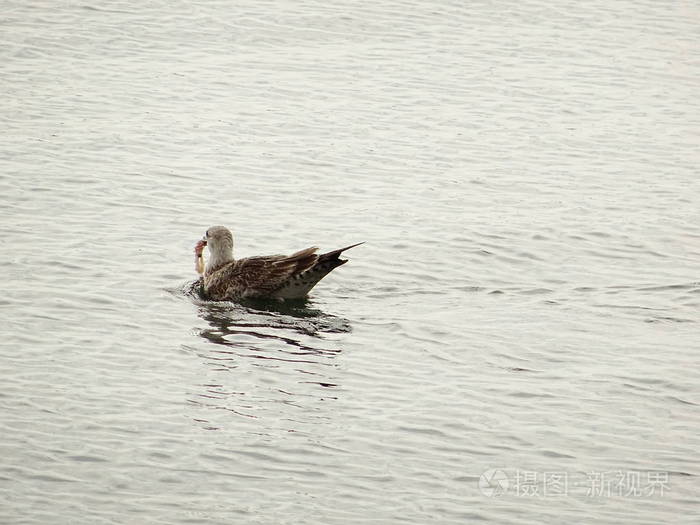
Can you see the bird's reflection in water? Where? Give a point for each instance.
(268, 321)
(267, 359)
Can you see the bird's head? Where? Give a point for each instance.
(219, 240)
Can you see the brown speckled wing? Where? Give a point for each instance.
(257, 276)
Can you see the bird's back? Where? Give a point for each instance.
(257, 276)
(273, 276)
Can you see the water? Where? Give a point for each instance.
(524, 311)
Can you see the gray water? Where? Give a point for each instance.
(516, 342)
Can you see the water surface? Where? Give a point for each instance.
(525, 306)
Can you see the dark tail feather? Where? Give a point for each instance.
(329, 261)
(324, 264)
(334, 255)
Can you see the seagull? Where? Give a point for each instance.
(266, 277)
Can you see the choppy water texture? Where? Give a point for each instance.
(525, 175)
